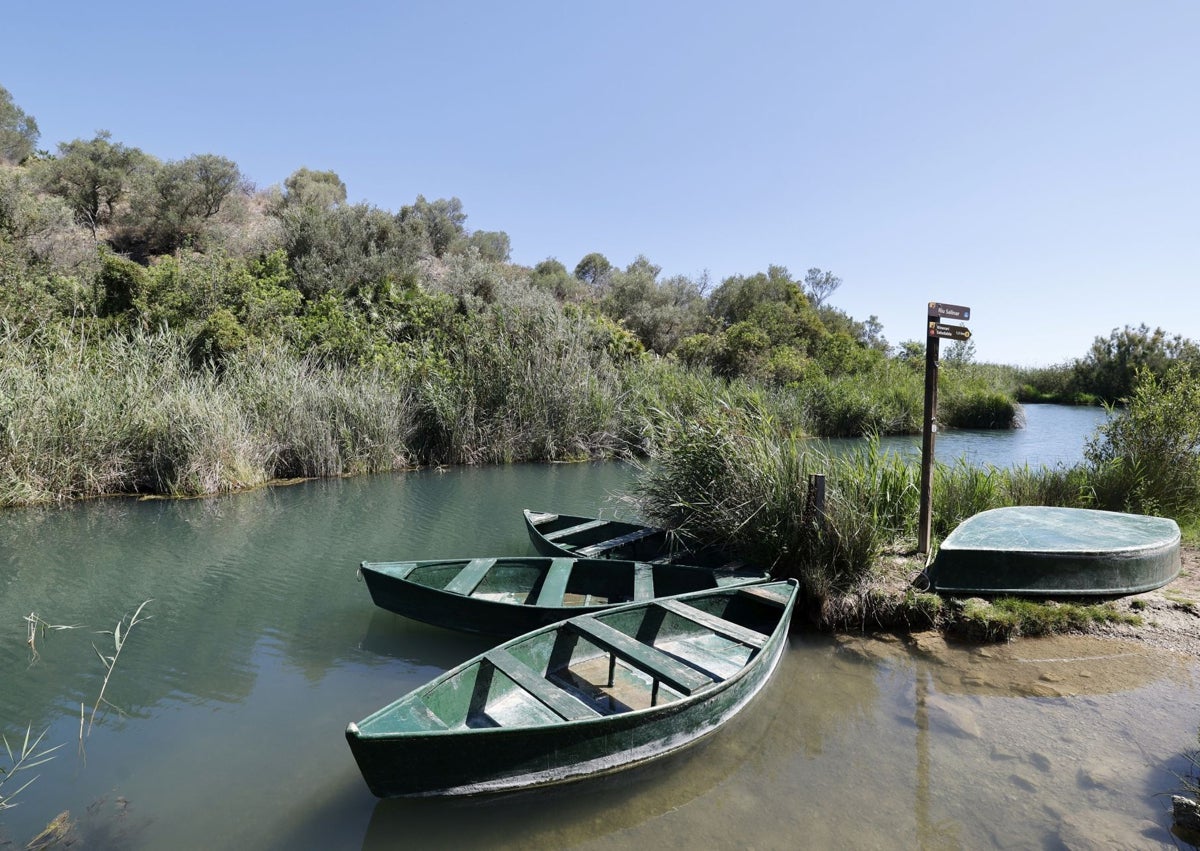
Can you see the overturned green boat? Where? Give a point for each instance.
(511, 596)
(589, 695)
(590, 537)
(1055, 552)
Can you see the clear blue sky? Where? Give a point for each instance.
(1035, 160)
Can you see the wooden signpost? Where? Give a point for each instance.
(937, 331)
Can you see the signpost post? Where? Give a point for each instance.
(937, 331)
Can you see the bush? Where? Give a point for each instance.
(1147, 459)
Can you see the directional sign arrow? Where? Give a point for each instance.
(941, 310)
(949, 332)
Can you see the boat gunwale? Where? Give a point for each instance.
(777, 635)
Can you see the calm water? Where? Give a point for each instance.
(262, 645)
(1052, 435)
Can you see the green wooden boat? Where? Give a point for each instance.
(588, 537)
(1048, 551)
(511, 596)
(589, 695)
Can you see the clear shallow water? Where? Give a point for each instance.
(262, 645)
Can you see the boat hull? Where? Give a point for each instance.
(458, 761)
(571, 535)
(1048, 551)
(508, 606)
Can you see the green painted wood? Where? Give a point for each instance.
(554, 586)
(398, 569)
(554, 698)
(1051, 551)
(470, 576)
(766, 593)
(482, 741)
(613, 543)
(720, 626)
(521, 593)
(643, 582)
(574, 530)
(643, 656)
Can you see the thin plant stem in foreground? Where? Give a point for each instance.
(29, 757)
(120, 634)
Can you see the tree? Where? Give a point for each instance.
(93, 176)
(322, 189)
(440, 223)
(492, 245)
(180, 197)
(819, 286)
(593, 269)
(18, 131)
(660, 313)
(1110, 368)
(551, 275)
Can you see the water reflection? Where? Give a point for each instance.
(233, 698)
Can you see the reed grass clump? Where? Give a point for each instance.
(733, 478)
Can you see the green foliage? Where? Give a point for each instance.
(819, 286)
(889, 399)
(345, 249)
(732, 476)
(119, 285)
(660, 313)
(175, 203)
(437, 225)
(593, 269)
(1111, 368)
(1009, 617)
(552, 276)
(220, 336)
(321, 189)
(491, 245)
(1147, 459)
(978, 408)
(18, 131)
(92, 176)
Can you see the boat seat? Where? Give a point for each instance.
(613, 543)
(654, 662)
(571, 530)
(554, 586)
(419, 711)
(643, 582)
(549, 695)
(470, 576)
(719, 625)
(767, 595)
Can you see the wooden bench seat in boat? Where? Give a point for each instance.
(643, 582)
(470, 576)
(767, 595)
(654, 662)
(554, 586)
(613, 543)
(711, 622)
(555, 699)
(571, 530)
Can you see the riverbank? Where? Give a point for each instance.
(1166, 618)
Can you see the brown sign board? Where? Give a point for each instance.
(941, 310)
(949, 332)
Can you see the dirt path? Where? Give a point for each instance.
(1170, 615)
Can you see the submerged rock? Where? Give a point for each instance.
(1186, 812)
